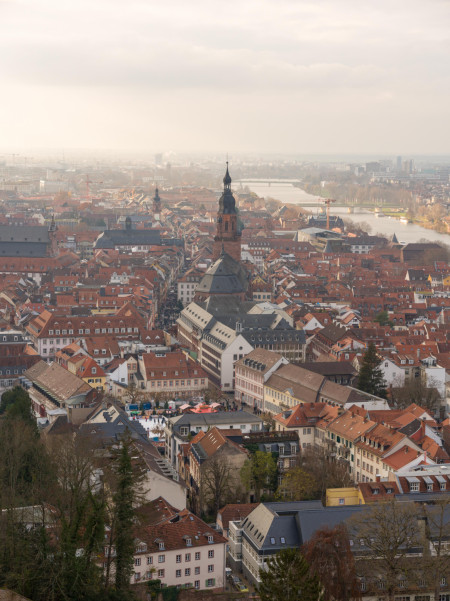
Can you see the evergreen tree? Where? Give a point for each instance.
(288, 578)
(371, 378)
(127, 494)
(16, 403)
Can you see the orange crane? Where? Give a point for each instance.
(328, 201)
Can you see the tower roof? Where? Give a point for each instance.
(227, 178)
(227, 203)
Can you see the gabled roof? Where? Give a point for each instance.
(57, 381)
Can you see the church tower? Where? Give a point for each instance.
(227, 237)
(157, 206)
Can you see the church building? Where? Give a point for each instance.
(228, 237)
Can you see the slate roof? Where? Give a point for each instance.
(213, 419)
(128, 237)
(274, 526)
(114, 428)
(225, 276)
(331, 368)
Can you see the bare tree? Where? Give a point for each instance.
(218, 482)
(416, 391)
(435, 559)
(330, 557)
(384, 537)
(327, 473)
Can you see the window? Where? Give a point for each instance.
(187, 572)
(414, 486)
(197, 584)
(211, 568)
(178, 558)
(161, 546)
(187, 557)
(149, 561)
(197, 555)
(341, 501)
(161, 558)
(197, 570)
(283, 540)
(137, 561)
(211, 554)
(178, 573)
(161, 573)
(210, 582)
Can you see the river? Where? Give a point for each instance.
(386, 226)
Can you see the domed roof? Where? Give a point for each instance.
(225, 276)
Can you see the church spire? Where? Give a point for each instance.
(227, 180)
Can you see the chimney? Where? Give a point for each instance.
(423, 428)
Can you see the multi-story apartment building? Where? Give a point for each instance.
(179, 429)
(251, 372)
(216, 445)
(50, 332)
(187, 285)
(177, 548)
(272, 527)
(292, 385)
(172, 375)
(222, 330)
(14, 358)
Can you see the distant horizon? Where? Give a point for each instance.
(20, 155)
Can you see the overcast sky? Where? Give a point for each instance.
(284, 76)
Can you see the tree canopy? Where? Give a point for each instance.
(259, 473)
(288, 578)
(371, 377)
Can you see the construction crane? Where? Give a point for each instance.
(328, 201)
(88, 191)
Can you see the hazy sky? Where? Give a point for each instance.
(322, 76)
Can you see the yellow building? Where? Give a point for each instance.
(344, 496)
(92, 374)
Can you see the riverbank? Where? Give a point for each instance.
(386, 227)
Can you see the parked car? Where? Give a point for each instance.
(242, 588)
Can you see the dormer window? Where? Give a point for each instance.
(210, 538)
(188, 542)
(161, 545)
